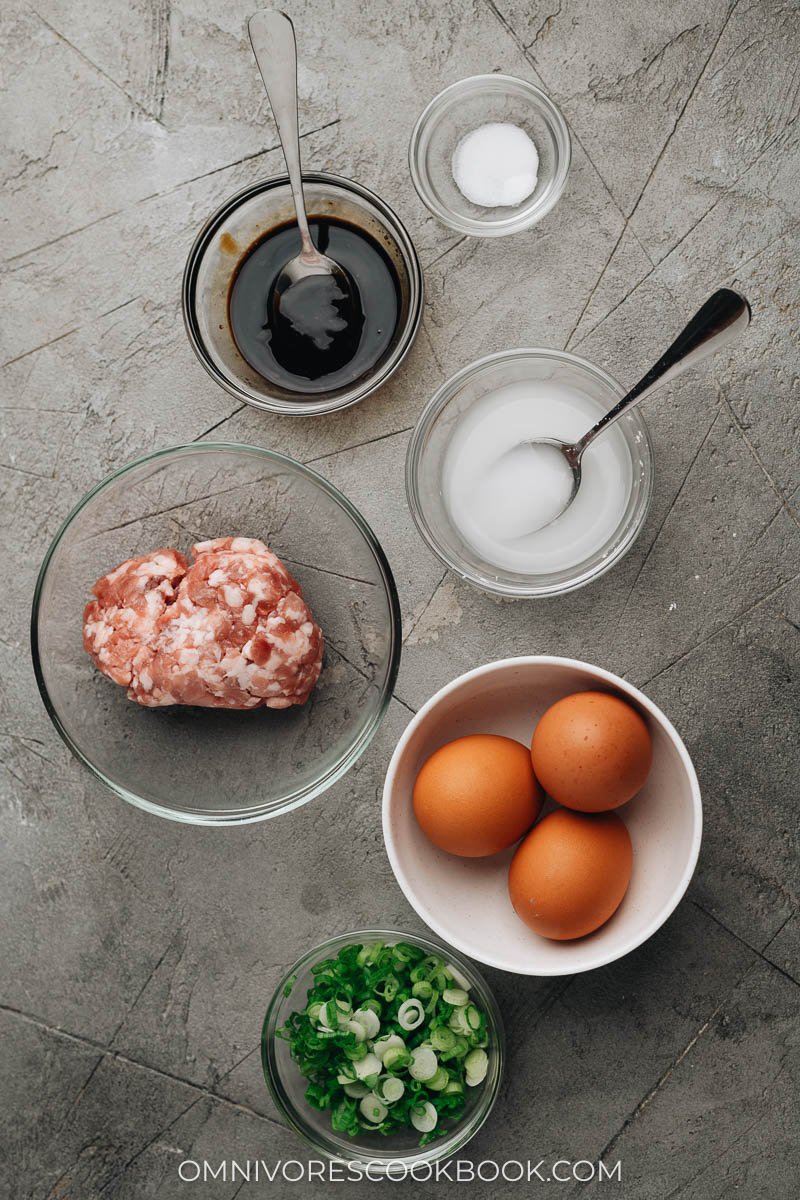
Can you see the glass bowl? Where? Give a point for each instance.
(287, 1086)
(455, 112)
(225, 239)
(213, 766)
(436, 427)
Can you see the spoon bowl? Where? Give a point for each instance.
(529, 487)
(316, 315)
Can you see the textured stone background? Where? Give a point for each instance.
(138, 956)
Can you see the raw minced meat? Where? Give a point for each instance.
(231, 630)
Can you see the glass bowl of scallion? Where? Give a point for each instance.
(383, 1048)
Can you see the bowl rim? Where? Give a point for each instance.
(301, 795)
(302, 407)
(424, 423)
(602, 676)
(524, 217)
(434, 1151)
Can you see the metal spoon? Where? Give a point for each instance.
(333, 307)
(558, 464)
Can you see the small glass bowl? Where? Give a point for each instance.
(212, 766)
(227, 236)
(455, 112)
(427, 452)
(287, 1086)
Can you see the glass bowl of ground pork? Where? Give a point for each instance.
(216, 633)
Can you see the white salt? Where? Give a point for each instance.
(496, 165)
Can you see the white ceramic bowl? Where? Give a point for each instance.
(465, 901)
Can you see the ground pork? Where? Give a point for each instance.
(231, 630)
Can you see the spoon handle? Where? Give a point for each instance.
(275, 49)
(722, 318)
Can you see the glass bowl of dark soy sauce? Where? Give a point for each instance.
(231, 272)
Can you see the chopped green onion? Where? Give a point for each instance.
(403, 952)
(424, 1118)
(357, 1029)
(439, 1081)
(373, 1109)
(459, 1022)
(356, 1089)
(388, 1040)
(343, 1117)
(410, 1014)
(355, 1052)
(433, 964)
(335, 1013)
(443, 1038)
(387, 987)
(458, 1050)
(458, 979)
(424, 1063)
(369, 954)
(456, 996)
(389, 1088)
(369, 1065)
(395, 1058)
(476, 1064)
(369, 1020)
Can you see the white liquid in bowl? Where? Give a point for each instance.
(478, 459)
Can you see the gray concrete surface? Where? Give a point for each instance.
(138, 956)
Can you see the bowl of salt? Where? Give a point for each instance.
(489, 155)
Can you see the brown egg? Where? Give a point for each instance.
(591, 751)
(570, 873)
(477, 795)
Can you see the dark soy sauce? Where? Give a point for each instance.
(305, 348)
